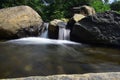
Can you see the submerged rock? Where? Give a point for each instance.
(101, 28)
(20, 21)
(90, 76)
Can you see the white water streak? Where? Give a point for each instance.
(45, 33)
(64, 34)
(38, 40)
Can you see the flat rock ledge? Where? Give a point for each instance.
(89, 76)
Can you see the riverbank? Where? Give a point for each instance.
(90, 76)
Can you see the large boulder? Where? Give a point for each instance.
(82, 12)
(20, 21)
(101, 28)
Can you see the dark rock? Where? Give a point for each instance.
(101, 28)
(73, 20)
(82, 12)
(29, 31)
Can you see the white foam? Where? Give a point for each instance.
(38, 40)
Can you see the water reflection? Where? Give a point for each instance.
(18, 60)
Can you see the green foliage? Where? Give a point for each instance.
(57, 8)
(62, 8)
(6, 3)
(100, 6)
(115, 6)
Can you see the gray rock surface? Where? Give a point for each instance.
(101, 28)
(19, 21)
(90, 76)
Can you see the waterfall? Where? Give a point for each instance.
(45, 32)
(63, 37)
(64, 34)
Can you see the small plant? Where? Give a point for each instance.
(100, 6)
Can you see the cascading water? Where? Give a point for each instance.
(64, 34)
(63, 37)
(44, 34)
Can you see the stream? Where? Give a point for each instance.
(36, 56)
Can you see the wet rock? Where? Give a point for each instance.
(82, 12)
(53, 28)
(73, 20)
(101, 28)
(90, 76)
(19, 21)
